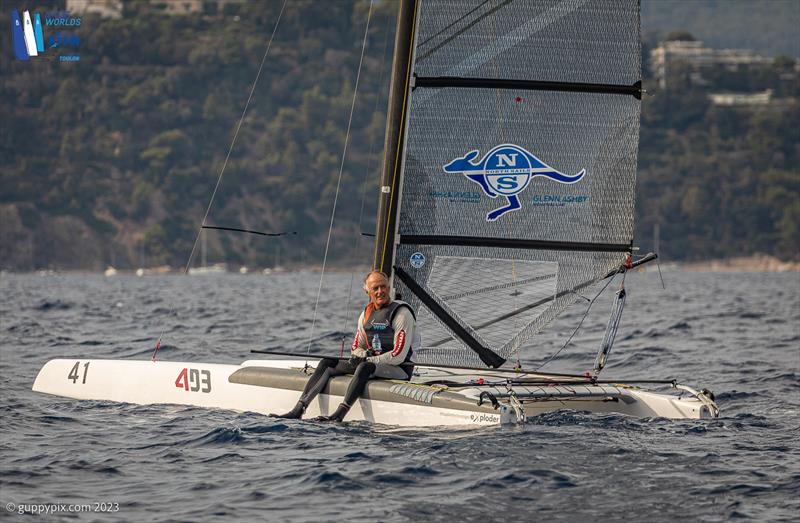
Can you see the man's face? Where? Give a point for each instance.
(378, 289)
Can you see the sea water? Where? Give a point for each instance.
(736, 334)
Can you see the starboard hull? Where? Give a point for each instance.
(267, 386)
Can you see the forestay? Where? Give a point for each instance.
(518, 167)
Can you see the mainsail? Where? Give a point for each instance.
(518, 166)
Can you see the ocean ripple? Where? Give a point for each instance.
(177, 463)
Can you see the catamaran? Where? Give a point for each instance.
(507, 190)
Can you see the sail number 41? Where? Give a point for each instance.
(194, 380)
(74, 375)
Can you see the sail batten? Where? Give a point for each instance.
(528, 85)
(513, 243)
(519, 166)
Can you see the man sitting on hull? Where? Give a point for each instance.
(384, 340)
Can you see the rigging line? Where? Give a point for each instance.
(451, 24)
(235, 135)
(225, 163)
(465, 28)
(646, 259)
(250, 231)
(364, 184)
(400, 134)
(585, 314)
(499, 286)
(658, 265)
(339, 179)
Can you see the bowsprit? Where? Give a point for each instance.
(506, 171)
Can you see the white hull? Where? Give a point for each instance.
(208, 385)
(210, 269)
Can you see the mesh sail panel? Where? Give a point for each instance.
(513, 308)
(584, 41)
(570, 132)
(540, 183)
(499, 286)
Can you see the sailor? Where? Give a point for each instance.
(383, 342)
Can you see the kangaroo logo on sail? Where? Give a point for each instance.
(506, 171)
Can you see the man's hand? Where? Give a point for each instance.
(358, 355)
(355, 360)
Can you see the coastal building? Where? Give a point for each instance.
(692, 61)
(104, 8)
(741, 99)
(180, 7)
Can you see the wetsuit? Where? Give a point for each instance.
(392, 328)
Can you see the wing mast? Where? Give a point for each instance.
(396, 118)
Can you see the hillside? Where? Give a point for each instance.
(769, 27)
(112, 159)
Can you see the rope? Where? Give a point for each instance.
(611, 331)
(364, 184)
(222, 170)
(658, 265)
(451, 24)
(585, 314)
(339, 179)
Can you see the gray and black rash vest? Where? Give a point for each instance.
(394, 325)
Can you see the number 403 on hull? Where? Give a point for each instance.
(194, 380)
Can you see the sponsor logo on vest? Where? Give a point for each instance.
(380, 326)
(506, 171)
(417, 260)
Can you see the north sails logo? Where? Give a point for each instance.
(506, 171)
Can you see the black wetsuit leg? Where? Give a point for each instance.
(361, 376)
(326, 369)
(363, 373)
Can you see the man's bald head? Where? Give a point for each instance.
(376, 285)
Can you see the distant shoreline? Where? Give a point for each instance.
(754, 263)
